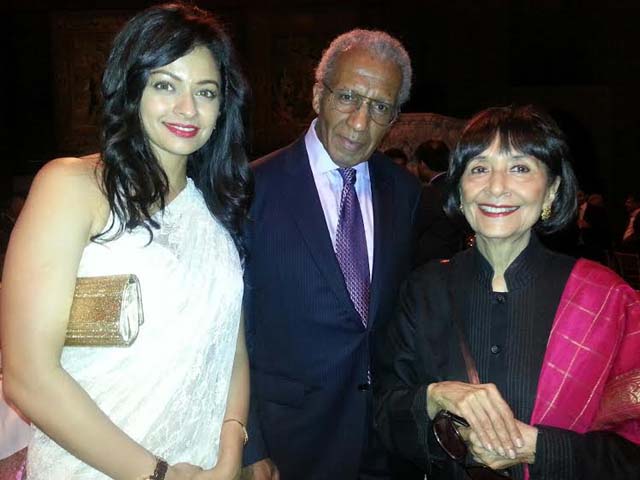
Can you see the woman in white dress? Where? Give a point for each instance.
(165, 199)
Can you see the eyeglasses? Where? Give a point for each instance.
(448, 437)
(348, 101)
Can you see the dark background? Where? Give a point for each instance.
(578, 59)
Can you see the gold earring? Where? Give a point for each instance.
(546, 213)
(461, 208)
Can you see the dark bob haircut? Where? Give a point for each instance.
(133, 179)
(530, 131)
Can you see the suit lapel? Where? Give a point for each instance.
(304, 205)
(382, 198)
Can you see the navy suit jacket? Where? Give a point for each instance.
(308, 349)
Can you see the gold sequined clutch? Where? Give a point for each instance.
(106, 312)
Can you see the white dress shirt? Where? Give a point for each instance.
(329, 185)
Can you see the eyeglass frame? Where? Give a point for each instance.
(360, 101)
(471, 470)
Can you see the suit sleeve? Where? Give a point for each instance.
(401, 379)
(255, 449)
(589, 456)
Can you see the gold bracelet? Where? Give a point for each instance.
(244, 429)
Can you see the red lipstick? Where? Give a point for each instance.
(496, 210)
(181, 130)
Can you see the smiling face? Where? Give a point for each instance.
(180, 105)
(351, 138)
(503, 193)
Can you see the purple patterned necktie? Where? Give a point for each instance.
(351, 245)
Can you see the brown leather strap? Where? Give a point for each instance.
(469, 362)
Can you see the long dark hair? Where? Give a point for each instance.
(132, 179)
(529, 130)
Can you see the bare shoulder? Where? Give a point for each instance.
(78, 170)
(72, 183)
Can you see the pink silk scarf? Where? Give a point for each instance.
(590, 376)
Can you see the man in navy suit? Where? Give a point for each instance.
(309, 337)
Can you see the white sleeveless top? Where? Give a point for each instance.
(168, 390)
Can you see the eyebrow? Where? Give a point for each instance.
(353, 91)
(514, 157)
(177, 78)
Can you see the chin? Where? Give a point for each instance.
(186, 149)
(504, 236)
(496, 234)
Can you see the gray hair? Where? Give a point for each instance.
(376, 42)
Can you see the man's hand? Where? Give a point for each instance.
(263, 469)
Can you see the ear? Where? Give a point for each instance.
(552, 191)
(317, 97)
(460, 200)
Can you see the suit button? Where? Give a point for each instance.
(363, 387)
(495, 349)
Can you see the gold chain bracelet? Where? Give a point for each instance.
(244, 429)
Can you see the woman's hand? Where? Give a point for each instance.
(524, 454)
(222, 471)
(489, 416)
(182, 471)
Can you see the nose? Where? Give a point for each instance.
(497, 183)
(185, 105)
(359, 119)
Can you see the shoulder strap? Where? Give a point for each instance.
(469, 362)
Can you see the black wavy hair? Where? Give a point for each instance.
(526, 129)
(132, 178)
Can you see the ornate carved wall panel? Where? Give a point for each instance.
(411, 129)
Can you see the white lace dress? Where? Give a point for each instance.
(168, 390)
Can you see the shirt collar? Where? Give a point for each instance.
(319, 159)
(526, 267)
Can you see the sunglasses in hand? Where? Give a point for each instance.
(445, 428)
